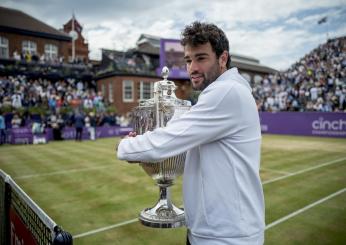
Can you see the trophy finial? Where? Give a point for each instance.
(165, 72)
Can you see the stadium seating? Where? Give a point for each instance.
(317, 82)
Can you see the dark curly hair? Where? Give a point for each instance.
(200, 33)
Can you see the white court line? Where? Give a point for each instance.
(303, 171)
(275, 171)
(105, 228)
(299, 211)
(266, 182)
(61, 172)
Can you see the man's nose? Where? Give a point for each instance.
(193, 67)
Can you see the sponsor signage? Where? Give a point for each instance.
(304, 123)
(172, 56)
(25, 136)
(20, 234)
(290, 123)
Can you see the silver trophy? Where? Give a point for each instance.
(150, 114)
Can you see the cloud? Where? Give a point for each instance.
(276, 32)
(263, 10)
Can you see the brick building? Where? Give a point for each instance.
(81, 46)
(126, 77)
(124, 91)
(23, 34)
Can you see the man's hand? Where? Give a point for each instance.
(131, 134)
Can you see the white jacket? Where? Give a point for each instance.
(223, 196)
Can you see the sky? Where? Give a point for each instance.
(276, 32)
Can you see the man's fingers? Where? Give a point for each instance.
(132, 134)
(132, 162)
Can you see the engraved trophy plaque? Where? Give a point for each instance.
(150, 114)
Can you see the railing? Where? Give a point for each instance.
(23, 221)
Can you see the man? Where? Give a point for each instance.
(223, 197)
(79, 124)
(90, 124)
(2, 129)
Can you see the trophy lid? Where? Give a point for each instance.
(165, 72)
(164, 92)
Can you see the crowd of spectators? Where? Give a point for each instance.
(54, 104)
(130, 61)
(317, 82)
(44, 59)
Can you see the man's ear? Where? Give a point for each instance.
(223, 60)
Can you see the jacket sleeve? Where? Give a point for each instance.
(212, 118)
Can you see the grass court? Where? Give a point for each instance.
(97, 198)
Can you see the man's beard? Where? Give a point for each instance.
(209, 77)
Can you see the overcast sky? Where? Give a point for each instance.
(277, 32)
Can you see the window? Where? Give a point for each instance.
(51, 51)
(127, 91)
(110, 92)
(103, 89)
(29, 47)
(145, 90)
(3, 47)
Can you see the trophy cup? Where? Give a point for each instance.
(150, 114)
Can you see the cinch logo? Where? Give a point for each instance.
(321, 124)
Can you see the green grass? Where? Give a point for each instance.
(82, 187)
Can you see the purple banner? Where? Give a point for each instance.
(25, 135)
(101, 132)
(20, 136)
(304, 123)
(290, 123)
(172, 56)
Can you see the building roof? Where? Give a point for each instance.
(148, 44)
(249, 63)
(152, 40)
(252, 66)
(77, 26)
(245, 58)
(15, 21)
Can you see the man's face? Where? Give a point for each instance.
(202, 65)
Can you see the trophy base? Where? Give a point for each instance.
(162, 217)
